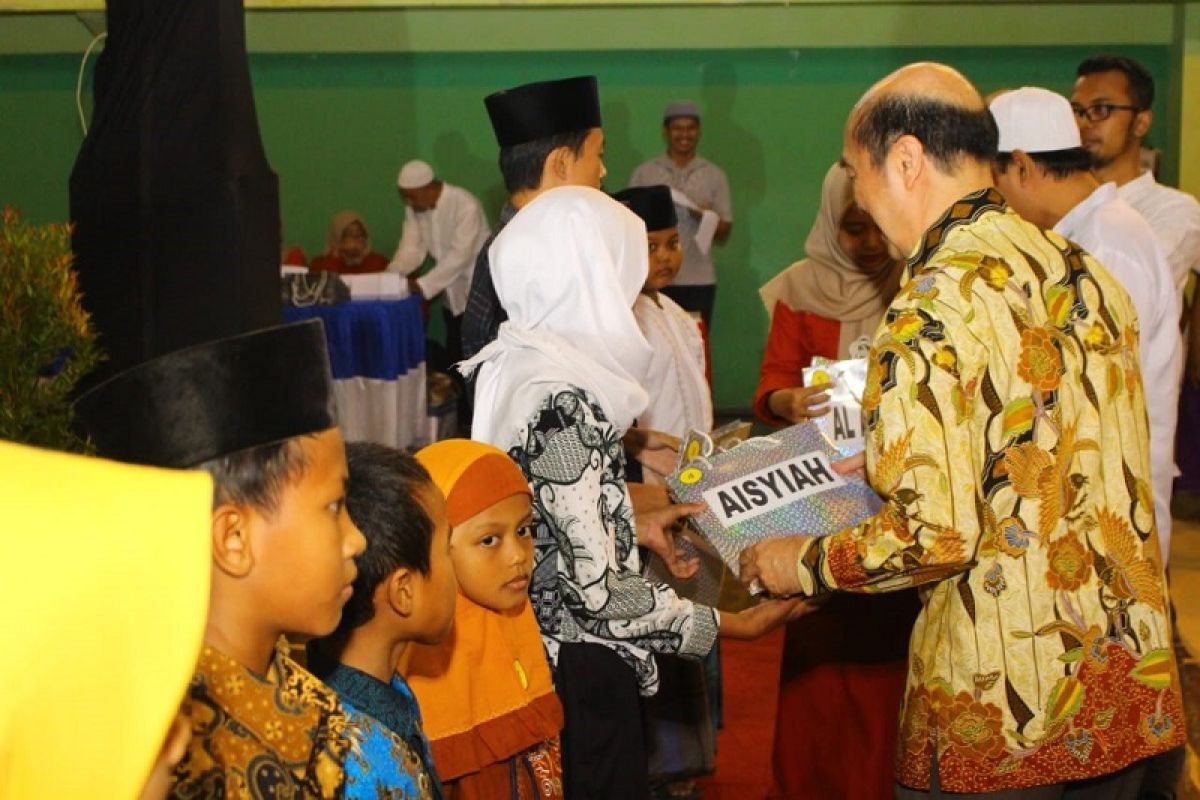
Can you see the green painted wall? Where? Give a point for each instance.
(338, 124)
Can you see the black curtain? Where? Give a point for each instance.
(176, 209)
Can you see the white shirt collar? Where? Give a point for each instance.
(1071, 223)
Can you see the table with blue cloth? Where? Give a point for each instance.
(377, 352)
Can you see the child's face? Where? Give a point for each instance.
(435, 594)
(666, 257)
(304, 552)
(493, 554)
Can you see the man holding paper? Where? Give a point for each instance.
(1007, 434)
(701, 194)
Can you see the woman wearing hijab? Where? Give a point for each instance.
(844, 668)
(348, 247)
(557, 390)
(828, 304)
(104, 577)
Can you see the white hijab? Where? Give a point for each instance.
(567, 269)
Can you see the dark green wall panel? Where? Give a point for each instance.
(337, 127)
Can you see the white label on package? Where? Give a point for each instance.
(768, 489)
(846, 421)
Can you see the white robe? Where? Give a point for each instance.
(680, 398)
(1109, 228)
(452, 233)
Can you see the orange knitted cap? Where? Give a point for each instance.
(472, 476)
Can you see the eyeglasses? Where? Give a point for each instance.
(1098, 112)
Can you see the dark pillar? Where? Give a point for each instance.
(176, 209)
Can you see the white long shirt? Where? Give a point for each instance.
(452, 233)
(1120, 239)
(680, 399)
(1175, 218)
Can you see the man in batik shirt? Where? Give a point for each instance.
(1008, 437)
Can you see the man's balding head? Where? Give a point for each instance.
(918, 141)
(932, 102)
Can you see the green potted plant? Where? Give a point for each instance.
(46, 340)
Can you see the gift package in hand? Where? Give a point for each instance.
(843, 424)
(772, 486)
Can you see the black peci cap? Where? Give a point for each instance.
(186, 407)
(535, 111)
(653, 204)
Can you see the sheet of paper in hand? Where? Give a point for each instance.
(843, 424)
(772, 486)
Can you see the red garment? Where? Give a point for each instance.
(795, 337)
(372, 262)
(841, 685)
(845, 666)
(294, 257)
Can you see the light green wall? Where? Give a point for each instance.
(361, 92)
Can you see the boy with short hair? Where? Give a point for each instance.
(257, 413)
(405, 592)
(680, 399)
(549, 135)
(681, 719)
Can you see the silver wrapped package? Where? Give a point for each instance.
(772, 486)
(848, 379)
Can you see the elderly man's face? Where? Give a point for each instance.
(875, 194)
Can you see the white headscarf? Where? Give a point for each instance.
(828, 282)
(567, 269)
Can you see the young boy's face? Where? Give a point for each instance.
(435, 594)
(666, 257)
(493, 554)
(304, 552)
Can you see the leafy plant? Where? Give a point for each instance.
(46, 340)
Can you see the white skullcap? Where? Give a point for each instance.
(1035, 120)
(415, 174)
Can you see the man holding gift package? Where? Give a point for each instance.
(1007, 434)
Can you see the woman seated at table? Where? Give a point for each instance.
(844, 668)
(348, 247)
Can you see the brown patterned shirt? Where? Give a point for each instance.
(279, 735)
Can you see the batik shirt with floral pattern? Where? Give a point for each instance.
(389, 755)
(1008, 437)
(279, 736)
(587, 584)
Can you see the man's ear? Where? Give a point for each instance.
(1141, 123)
(907, 159)
(231, 548)
(401, 590)
(557, 167)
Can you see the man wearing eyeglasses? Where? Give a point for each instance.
(1112, 100)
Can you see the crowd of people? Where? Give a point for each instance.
(479, 619)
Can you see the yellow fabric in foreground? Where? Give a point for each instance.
(104, 574)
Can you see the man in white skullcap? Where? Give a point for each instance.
(446, 223)
(1045, 174)
(699, 187)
